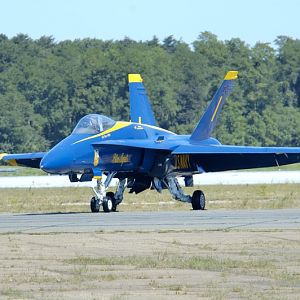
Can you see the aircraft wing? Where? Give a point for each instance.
(31, 160)
(223, 158)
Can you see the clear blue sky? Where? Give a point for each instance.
(252, 20)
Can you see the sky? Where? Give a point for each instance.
(252, 21)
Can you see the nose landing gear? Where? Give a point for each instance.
(108, 200)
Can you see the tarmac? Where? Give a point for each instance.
(279, 219)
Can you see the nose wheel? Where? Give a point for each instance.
(95, 205)
(108, 200)
(108, 203)
(110, 196)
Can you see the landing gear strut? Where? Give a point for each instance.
(176, 190)
(197, 200)
(108, 200)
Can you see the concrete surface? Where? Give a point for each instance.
(182, 220)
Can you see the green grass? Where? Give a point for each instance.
(209, 265)
(218, 197)
(252, 266)
(293, 167)
(6, 171)
(13, 293)
(165, 261)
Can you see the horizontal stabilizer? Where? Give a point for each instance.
(140, 108)
(207, 122)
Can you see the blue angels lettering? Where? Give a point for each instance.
(142, 155)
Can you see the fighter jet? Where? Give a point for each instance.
(142, 155)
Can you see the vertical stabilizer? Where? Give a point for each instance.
(140, 108)
(208, 120)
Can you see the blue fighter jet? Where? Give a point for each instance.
(142, 155)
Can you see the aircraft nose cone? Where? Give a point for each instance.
(56, 162)
(47, 164)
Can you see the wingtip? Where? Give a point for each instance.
(2, 155)
(135, 78)
(231, 75)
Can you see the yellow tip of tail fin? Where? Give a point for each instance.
(135, 78)
(2, 155)
(231, 75)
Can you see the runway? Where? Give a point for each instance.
(151, 221)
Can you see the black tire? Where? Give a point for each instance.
(107, 205)
(111, 195)
(198, 200)
(95, 205)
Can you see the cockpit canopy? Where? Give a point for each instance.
(93, 124)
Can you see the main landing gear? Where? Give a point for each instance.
(108, 200)
(197, 199)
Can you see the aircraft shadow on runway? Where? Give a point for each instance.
(54, 213)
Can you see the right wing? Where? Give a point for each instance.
(223, 157)
(31, 160)
(140, 108)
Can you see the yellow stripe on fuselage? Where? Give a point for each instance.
(215, 112)
(117, 126)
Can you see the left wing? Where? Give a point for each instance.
(31, 160)
(223, 158)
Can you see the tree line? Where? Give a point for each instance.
(47, 86)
